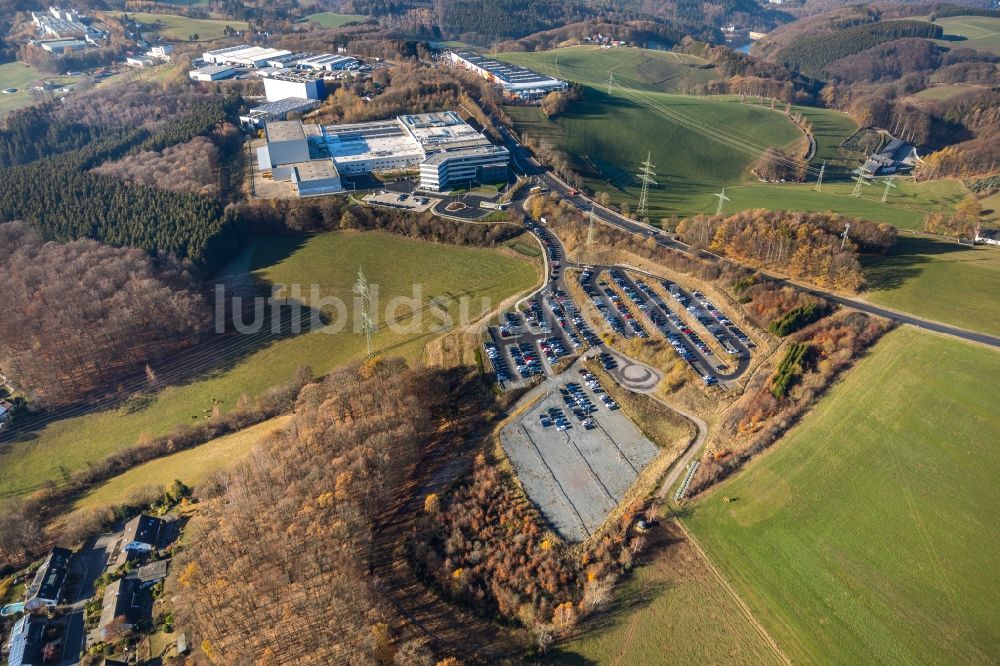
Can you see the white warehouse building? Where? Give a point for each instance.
(517, 82)
(445, 148)
(291, 83)
(243, 56)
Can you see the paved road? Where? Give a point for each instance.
(531, 167)
(88, 564)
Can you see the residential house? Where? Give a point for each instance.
(141, 533)
(897, 156)
(122, 608)
(152, 573)
(27, 642)
(47, 584)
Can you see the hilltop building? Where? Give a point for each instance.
(444, 148)
(896, 157)
(517, 82)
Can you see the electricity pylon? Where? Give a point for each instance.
(843, 237)
(722, 200)
(888, 184)
(819, 180)
(362, 289)
(646, 177)
(858, 182)
(611, 81)
(590, 227)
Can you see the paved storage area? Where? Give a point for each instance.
(577, 475)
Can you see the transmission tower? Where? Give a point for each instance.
(819, 180)
(362, 289)
(646, 177)
(888, 184)
(611, 81)
(722, 200)
(858, 182)
(843, 237)
(590, 227)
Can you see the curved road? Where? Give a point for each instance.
(531, 167)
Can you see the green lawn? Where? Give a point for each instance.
(671, 610)
(334, 20)
(868, 534)
(181, 28)
(945, 91)
(330, 261)
(979, 32)
(20, 76)
(940, 280)
(191, 466)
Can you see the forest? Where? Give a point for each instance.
(294, 523)
(80, 316)
(811, 55)
(803, 245)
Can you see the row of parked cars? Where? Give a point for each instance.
(594, 293)
(500, 368)
(724, 320)
(526, 359)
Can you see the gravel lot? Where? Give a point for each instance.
(575, 477)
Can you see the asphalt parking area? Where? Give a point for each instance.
(578, 475)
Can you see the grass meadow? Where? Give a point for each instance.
(972, 32)
(939, 279)
(334, 20)
(671, 610)
(20, 76)
(181, 28)
(868, 533)
(191, 466)
(329, 260)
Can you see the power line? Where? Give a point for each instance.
(368, 327)
(860, 180)
(646, 177)
(722, 200)
(819, 179)
(888, 184)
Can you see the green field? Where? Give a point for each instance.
(192, 466)
(607, 135)
(334, 20)
(671, 610)
(979, 32)
(20, 76)
(945, 91)
(941, 280)
(181, 28)
(868, 534)
(329, 260)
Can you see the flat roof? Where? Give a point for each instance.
(213, 69)
(248, 53)
(316, 170)
(510, 75)
(444, 155)
(286, 105)
(284, 130)
(327, 59)
(297, 75)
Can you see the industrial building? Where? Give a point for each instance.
(243, 56)
(259, 57)
(257, 116)
(212, 73)
(444, 147)
(65, 24)
(292, 83)
(517, 82)
(60, 46)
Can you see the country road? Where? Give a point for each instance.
(531, 167)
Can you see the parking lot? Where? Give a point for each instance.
(575, 452)
(400, 200)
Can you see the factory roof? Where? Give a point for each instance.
(211, 70)
(470, 151)
(327, 60)
(287, 105)
(316, 170)
(284, 130)
(511, 76)
(247, 53)
(293, 75)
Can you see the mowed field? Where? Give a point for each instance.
(182, 28)
(974, 32)
(334, 20)
(672, 610)
(191, 466)
(330, 261)
(868, 534)
(939, 279)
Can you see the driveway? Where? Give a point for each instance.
(88, 564)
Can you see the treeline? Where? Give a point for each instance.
(294, 524)
(743, 73)
(811, 55)
(79, 317)
(487, 21)
(641, 33)
(32, 133)
(773, 403)
(483, 546)
(803, 245)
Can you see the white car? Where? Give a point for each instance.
(8, 91)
